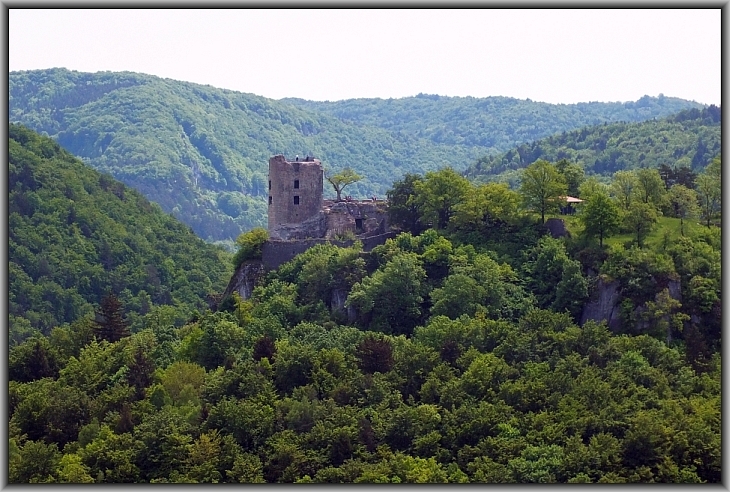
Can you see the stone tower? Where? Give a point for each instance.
(295, 190)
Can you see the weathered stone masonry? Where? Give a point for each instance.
(276, 253)
(295, 191)
(298, 212)
(299, 218)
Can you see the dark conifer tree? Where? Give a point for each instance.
(140, 372)
(374, 355)
(111, 322)
(125, 423)
(264, 347)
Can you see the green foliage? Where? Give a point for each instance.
(480, 286)
(623, 187)
(554, 278)
(342, 179)
(402, 210)
(650, 187)
(480, 122)
(543, 188)
(390, 299)
(485, 208)
(250, 245)
(111, 323)
(683, 203)
(220, 341)
(709, 189)
(36, 463)
(445, 356)
(573, 175)
(33, 359)
(325, 272)
(75, 235)
(600, 216)
(201, 152)
(438, 194)
(640, 218)
(689, 139)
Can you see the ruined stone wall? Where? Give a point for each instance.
(360, 218)
(276, 253)
(295, 191)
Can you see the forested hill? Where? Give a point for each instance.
(691, 138)
(442, 356)
(492, 123)
(202, 152)
(76, 235)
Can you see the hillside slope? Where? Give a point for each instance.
(76, 235)
(691, 138)
(202, 152)
(493, 123)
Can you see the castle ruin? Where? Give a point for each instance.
(299, 218)
(297, 210)
(295, 191)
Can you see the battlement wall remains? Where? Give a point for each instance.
(276, 253)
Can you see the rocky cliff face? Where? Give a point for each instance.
(244, 279)
(606, 298)
(604, 306)
(339, 297)
(556, 227)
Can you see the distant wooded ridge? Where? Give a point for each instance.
(690, 139)
(202, 152)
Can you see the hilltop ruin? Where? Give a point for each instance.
(299, 216)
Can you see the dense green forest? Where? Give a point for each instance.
(453, 353)
(202, 152)
(493, 123)
(77, 235)
(688, 139)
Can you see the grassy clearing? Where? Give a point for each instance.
(666, 230)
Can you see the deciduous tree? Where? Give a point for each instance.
(684, 204)
(542, 188)
(623, 187)
(250, 244)
(342, 179)
(402, 207)
(438, 194)
(640, 218)
(709, 189)
(390, 299)
(486, 206)
(573, 174)
(600, 217)
(650, 187)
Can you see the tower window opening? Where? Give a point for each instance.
(296, 183)
(269, 200)
(296, 200)
(269, 184)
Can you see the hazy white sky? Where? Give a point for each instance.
(556, 56)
